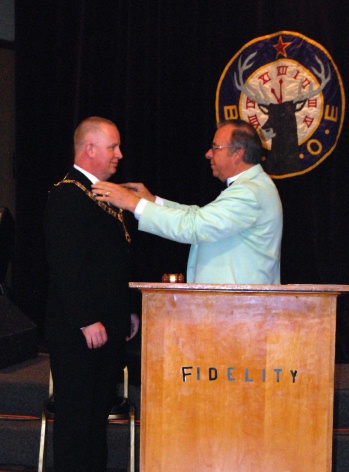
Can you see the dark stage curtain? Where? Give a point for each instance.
(153, 67)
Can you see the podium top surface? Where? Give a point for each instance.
(291, 288)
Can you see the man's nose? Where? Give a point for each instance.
(209, 154)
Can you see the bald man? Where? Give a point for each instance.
(88, 310)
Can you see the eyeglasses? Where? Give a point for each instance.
(214, 147)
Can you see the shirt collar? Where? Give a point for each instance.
(87, 174)
(230, 180)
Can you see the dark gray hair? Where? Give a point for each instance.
(245, 136)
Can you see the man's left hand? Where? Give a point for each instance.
(115, 194)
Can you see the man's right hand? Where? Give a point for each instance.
(95, 335)
(116, 194)
(140, 190)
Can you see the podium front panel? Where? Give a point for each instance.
(237, 381)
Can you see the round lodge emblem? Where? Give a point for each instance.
(288, 87)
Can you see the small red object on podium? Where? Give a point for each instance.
(173, 278)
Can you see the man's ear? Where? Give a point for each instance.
(239, 152)
(89, 149)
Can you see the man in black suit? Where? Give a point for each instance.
(88, 312)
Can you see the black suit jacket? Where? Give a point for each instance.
(89, 265)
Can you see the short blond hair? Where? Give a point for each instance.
(93, 124)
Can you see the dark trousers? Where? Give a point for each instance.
(85, 386)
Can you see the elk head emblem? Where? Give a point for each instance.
(281, 124)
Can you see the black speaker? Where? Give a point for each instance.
(18, 335)
(7, 241)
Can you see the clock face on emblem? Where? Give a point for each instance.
(288, 87)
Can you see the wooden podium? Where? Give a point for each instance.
(237, 377)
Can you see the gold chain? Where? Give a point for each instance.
(119, 214)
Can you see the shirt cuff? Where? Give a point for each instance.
(141, 204)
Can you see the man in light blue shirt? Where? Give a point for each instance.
(235, 239)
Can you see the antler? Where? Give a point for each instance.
(261, 97)
(323, 81)
(247, 89)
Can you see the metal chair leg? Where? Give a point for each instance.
(132, 458)
(42, 450)
(46, 413)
